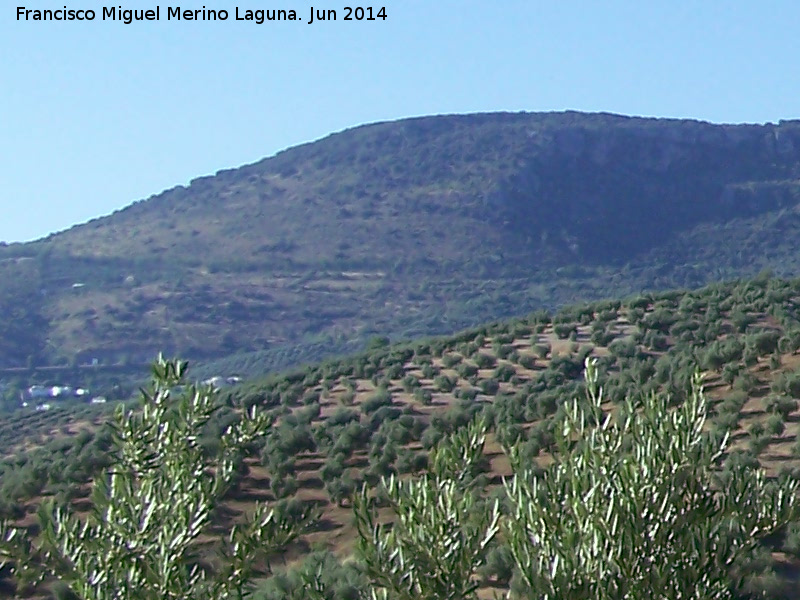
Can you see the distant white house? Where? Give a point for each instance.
(43, 407)
(38, 391)
(219, 382)
(98, 400)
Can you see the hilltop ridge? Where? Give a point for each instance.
(407, 228)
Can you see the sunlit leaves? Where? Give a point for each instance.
(441, 530)
(633, 507)
(151, 507)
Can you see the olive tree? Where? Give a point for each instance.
(442, 527)
(151, 506)
(634, 505)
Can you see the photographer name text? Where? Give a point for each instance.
(176, 13)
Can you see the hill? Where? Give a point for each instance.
(356, 419)
(407, 228)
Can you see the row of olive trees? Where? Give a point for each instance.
(634, 505)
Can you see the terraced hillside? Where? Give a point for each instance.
(352, 421)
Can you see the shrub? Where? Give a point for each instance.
(765, 342)
(602, 337)
(429, 371)
(347, 397)
(489, 386)
(745, 382)
(484, 361)
(451, 360)
(381, 397)
(394, 371)
(467, 370)
(423, 396)
(774, 425)
(466, 393)
(385, 414)
(527, 361)
(564, 330)
(758, 443)
(781, 405)
(503, 350)
(504, 372)
(541, 350)
(444, 384)
(323, 569)
(410, 383)
(623, 348)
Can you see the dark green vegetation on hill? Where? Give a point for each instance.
(408, 228)
(351, 421)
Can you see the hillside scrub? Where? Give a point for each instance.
(404, 229)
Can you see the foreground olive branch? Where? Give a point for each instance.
(633, 506)
(152, 505)
(441, 530)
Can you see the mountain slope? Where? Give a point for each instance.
(350, 421)
(413, 227)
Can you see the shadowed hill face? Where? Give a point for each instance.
(417, 226)
(555, 187)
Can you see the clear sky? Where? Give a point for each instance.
(96, 115)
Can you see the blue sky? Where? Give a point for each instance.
(96, 115)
